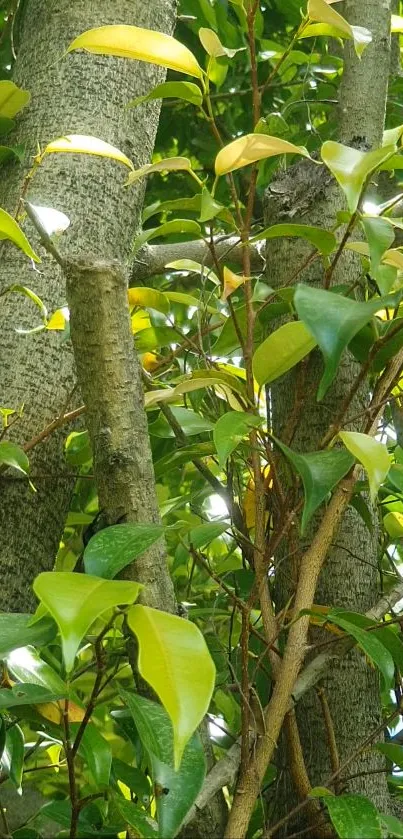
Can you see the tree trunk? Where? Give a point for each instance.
(82, 94)
(349, 579)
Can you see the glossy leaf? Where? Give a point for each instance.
(182, 787)
(320, 473)
(281, 351)
(13, 455)
(369, 643)
(212, 44)
(380, 236)
(12, 99)
(16, 631)
(353, 816)
(230, 429)
(209, 207)
(149, 298)
(175, 661)
(141, 44)
(188, 91)
(321, 11)
(352, 168)
(392, 752)
(113, 548)
(190, 422)
(323, 240)
(12, 760)
(251, 148)
(26, 694)
(145, 827)
(334, 321)
(169, 164)
(27, 666)
(372, 454)
(75, 601)
(97, 754)
(9, 229)
(136, 780)
(83, 144)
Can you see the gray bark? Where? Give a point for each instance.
(349, 578)
(109, 374)
(82, 94)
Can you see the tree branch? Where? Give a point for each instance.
(152, 259)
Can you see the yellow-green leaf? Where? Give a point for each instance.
(212, 44)
(231, 282)
(75, 601)
(12, 99)
(393, 524)
(322, 12)
(175, 661)
(397, 23)
(169, 164)
(372, 454)
(83, 144)
(141, 44)
(151, 298)
(250, 148)
(352, 167)
(9, 229)
(281, 351)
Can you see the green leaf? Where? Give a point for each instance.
(27, 695)
(369, 643)
(392, 751)
(16, 631)
(96, 752)
(141, 44)
(85, 144)
(333, 320)
(12, 760)
(183, 786)
(209, 207)
(9, 229)
(203, 534)
(372, 454)
(12, 99)
(188, 91)
(182, 456)
(281, 351)
(75, 601)
(322, 240)
(380, 236)
(190, 422)
(391, 823)
(113, 548)
(320, 473)
(353, 816)
(169, 164)
(352, 168)
(27, 666)
(230, 429)
(145, 827)
(168, 229)
(152, 338)
(175, 661)
(136, 780)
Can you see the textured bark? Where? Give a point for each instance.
(349, 578)
(83, 94)
(109, 375)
